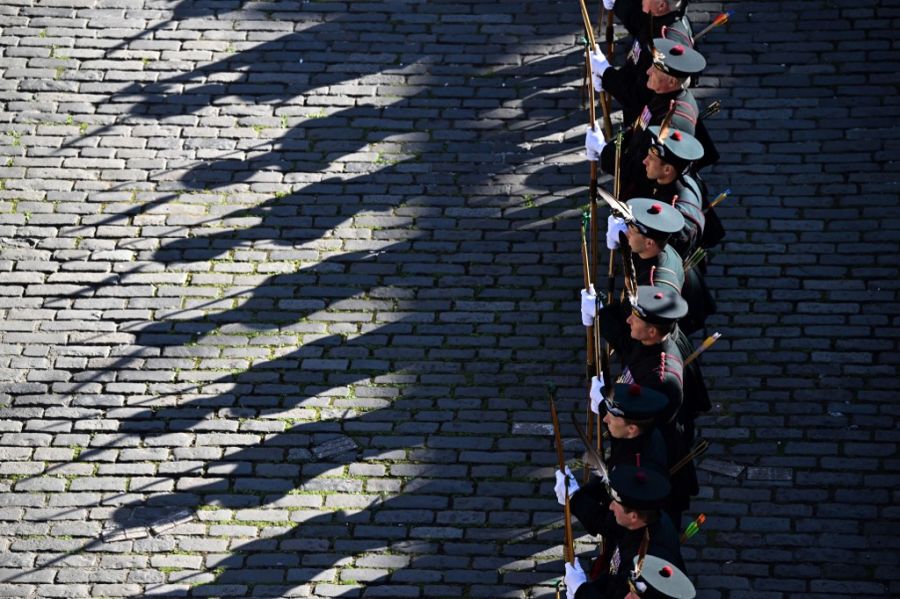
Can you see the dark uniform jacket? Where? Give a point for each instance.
(696, 401)
(612, 581)
(666, 269)
(689, 202)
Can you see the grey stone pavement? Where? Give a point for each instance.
(282, 283)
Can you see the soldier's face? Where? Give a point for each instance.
(640, 330)
(657, 8)
(654, 165)
(617, 426)
(623, 518)
(659, 82)
(636, 241)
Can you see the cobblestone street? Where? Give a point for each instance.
(281, 285)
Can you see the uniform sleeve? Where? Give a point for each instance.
(670, 386)
(590, 504)
(621, 86)
(670, 270)
(690, 207)
(665, 543)
(630, 15)
(590, 590)
(613, 327)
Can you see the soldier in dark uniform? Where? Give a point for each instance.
(630, 416)
(666, 165)
(672, 66)
(634, 519)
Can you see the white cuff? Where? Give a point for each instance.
(596, 393)
(575, 577)
(614, 226)
(594, 142)
(588, 306)
(599, 63)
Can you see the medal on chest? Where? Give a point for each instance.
(615, 562)
(635, 52)
(645, 117)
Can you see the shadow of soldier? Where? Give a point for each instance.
(264, 472)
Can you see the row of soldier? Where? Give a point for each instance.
(661, 225)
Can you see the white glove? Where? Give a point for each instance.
(560, 486)
(589, 306)
(599, 64)
(614, 226)
(596, 393)
(609, 4)
(598, 82)
(575, 577)
(593, 142)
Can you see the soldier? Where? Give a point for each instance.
(672, 66)
(630, 418)
(657, 578)
(634, 515)
(641, 335)
(644, 21)
(667, 162)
